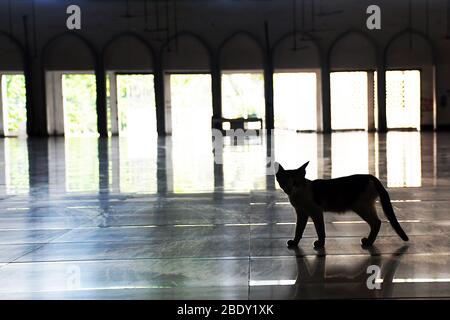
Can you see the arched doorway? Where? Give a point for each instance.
(13, 113)
(297, 99)
(71, 93)
(410, 81)
(129, 64)
(186, 63)
(353, 63)
(242, 65)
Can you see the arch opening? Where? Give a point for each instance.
(297, 84)
(13, 113)
(71, 91)
(410, 82)
(353, 63)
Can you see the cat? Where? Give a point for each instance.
(356, 192)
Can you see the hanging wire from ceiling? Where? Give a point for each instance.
(313, 16)
(146, 27)
(447, 36)
(33, 12)
(10, 23)
(167, 25)
(410, 24)
(294, 24)
(175, 22)
(427, 17)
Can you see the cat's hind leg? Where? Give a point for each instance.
(369, 214)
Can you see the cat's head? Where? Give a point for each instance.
(289, 179)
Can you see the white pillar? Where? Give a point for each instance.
(370, 101)
(3, 122)
(114, 111)
(319, 112)
(55, 104)
(167, 104)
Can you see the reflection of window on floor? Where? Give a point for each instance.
(136, 105)
(81, 156)
(193, 165)
(244, 166)
(79, 98)
(16, 166)
(404, 164)
(295, 101)
(349, 153)
(294, 149)
(243, 95)
(14, 104)
(349, 100)
(403, 99)
(138, 165)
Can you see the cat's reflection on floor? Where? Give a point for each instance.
(317, 278)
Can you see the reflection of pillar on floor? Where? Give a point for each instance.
(324, 155)
(382, 157)
(103, 181)
(435, 159)
(218, 169)
(3, 169)
(115, 164)
(427, 150)
(103, 165)
(164, 165)
(370, 101)
(113, 106)
(270, 158)
(373, 149)
(57, 164)
(218, 180)
(38, 168)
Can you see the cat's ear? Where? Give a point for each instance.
(303, 167)
(302, 170)
(278, 167)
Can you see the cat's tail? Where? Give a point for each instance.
(387, 208)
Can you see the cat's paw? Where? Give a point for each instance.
(292, 243)
(366, 243)
(318, 244)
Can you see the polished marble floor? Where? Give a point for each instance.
(130, 218)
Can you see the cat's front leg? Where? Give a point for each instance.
(302, 219)
(320, 229)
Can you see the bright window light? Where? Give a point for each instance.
(14, 104)
(136, 105)
(294, 149)
(79, 99)
(349, 100)
(191, 103)
(243, 95)
(403, 99)
(295, 101)
(193, 161)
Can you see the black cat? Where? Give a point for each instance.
(357, 193)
